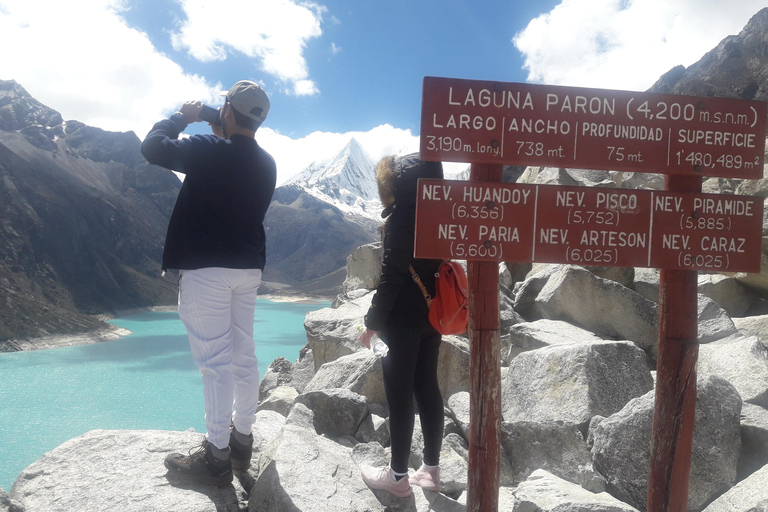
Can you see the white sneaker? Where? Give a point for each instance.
(379, 478)
(428, 480)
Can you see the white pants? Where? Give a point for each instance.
(217, 307)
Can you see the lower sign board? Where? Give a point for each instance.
(588, 226)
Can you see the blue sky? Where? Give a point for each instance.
(369, 61)
(337, 69)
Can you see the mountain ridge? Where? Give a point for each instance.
(346, 181)
(79, 235)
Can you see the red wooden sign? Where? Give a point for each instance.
(588, 226)
(527, 124)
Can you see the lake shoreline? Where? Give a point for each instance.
(112, 332)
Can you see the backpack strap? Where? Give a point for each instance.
(423, 288)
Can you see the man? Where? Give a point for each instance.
(216, 239)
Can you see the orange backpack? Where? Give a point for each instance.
(449, 310)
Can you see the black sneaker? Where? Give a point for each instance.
(241, 453)
(200, 467)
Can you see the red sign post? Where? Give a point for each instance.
(680, 230)
(484, 372)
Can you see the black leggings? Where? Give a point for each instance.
(410, 370)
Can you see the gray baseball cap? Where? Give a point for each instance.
(249, 99)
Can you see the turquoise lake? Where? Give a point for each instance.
(146, 380)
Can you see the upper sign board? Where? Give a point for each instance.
(525, 124)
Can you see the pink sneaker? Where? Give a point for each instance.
(378, 478)
(428, 480)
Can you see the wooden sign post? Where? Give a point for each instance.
(675, 404)
(484, 372)
(680, 230)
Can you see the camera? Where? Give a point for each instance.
(210, 115)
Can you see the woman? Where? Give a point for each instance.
(399, 315)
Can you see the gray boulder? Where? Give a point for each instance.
(545, 492)
(458, 408)
(727, 292)
(301, 416)
(373, 429)
(749, 495)
(757, 325)
(557, 447)
(742, 361)
(603, 307)
(713, 322)
(574, 382)
(641, 180)
(543, 333)
(303, 471)
(267, 426)
(646, 283)
(526, 291)
(547, 176)
(333, 333)
(279, 373)
(592, 177)
(757, 281)
(280, 400)
(337, 412)
(118, 470)
(364, 267)
(754, 439)
(453, 470)
(507, 314)
(505, 276)
(713, 185)
(9, 505)
(625, 276)
(303, 370)
(453, 365)
(360, 372)
(621, 449)
(514, 273)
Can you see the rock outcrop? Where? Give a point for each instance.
(577, 408)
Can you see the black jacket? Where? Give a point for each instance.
(218, 217)
(398, 296)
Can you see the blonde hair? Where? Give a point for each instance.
(385, 179)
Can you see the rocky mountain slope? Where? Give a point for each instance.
(82, 221)
(347, 181)
(735, 68)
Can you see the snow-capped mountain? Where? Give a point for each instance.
(347, 181)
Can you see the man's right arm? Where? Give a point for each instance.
(161, 145)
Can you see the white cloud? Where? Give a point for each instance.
(85, 62)
(305, 88)
(625, 44)
(273, 31)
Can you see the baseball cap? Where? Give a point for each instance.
(249, 99)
